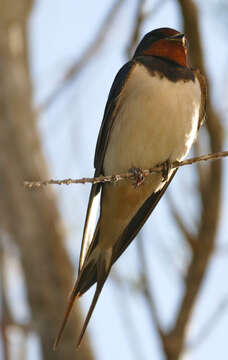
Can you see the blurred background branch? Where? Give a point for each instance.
(85, 57)
(160, 287)
(31, 220)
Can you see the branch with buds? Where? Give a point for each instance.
(129, 175)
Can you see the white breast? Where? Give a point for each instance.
(157, 120)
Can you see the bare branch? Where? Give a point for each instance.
(210, 197)
(120, 280)
(210, 324)
(7, 322)
(86, 56)
(170, 259)
(146, 289)
(189, 237)
(128, 175)
(140, 18)
(47, 270)
(125, 314)
(25, 327)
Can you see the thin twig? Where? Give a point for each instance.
(86, 56)
(141, 16)
(26, 328)
(139, 20)
(170, 258)
(146, 289)
(7, 321)
(210, 196)
(189, 237)
(125, 314)
(124, 176)
(210, 324)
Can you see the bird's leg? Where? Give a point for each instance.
(138, 176)
(166, 167)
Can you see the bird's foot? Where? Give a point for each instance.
(137, 175)
(166, 167)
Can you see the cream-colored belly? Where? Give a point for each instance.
(157, 120)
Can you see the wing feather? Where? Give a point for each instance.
(203, 86)
(139, 220)
(108, 118)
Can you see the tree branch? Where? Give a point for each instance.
(86, 56)
(146, 290)
(140, 17)
(210, 197)
(35, 227)
(210, 324)
(128, 175)
(125, 314)
(139, 20)
(189, 237)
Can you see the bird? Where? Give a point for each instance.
(155, 108)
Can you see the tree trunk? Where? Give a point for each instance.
(30, 217)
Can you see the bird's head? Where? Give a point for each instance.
(164, 43)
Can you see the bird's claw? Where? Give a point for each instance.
(137, 175)
(166, 167)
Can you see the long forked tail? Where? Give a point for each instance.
(66, 316)
(91, 309)
(101, 268)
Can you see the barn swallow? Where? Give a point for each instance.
(155, 108)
